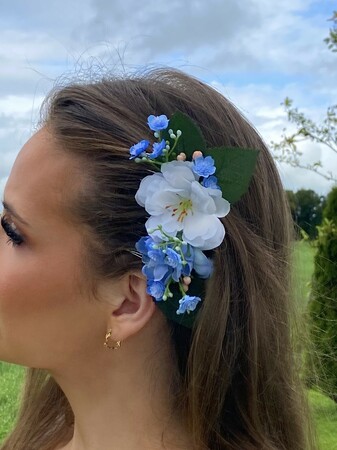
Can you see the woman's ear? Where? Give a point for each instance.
(133, 308)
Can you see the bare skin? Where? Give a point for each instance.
(120, 398)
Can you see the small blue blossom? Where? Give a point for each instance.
(138, 148)
(188, 252)
(211, 182)
(158, 148)
(144, 244)
(160, 272)
(156, 255)
(187, 303)
(201, 264)
(204, 166)
(173, 260)
(156, 289)
(157, 123)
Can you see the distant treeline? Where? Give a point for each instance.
(307, 210)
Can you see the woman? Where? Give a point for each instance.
(107, 366)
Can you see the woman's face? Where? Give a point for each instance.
(44, 320)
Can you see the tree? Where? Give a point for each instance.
(306, 208)
(330, 209)
(331, 40)
(322, 361)
(324, 133)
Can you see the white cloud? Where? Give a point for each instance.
(264, 53)
(261, 105)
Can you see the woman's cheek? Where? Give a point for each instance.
(31, 309)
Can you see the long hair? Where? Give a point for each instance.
(238, 370)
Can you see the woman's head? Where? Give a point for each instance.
(235, 371)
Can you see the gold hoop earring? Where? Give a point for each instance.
(116, 345)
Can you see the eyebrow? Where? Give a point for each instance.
(13, 213)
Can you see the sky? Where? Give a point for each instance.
(255, 52)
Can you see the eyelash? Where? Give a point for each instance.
(14, 238)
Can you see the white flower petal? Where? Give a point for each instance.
(222, 207)
(147, 187)
(178, 174)
(160, 201)
(201, 199)
(203, 231)
(169, 224)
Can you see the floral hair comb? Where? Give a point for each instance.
(183, 198)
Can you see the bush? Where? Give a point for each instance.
(330, 209)
(322, 367)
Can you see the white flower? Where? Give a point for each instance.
(176, 200)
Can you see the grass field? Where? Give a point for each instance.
(11, 377)
(324, 409)
(303, 262)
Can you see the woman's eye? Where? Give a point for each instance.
(14, 238)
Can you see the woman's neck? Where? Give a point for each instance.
(123, 399)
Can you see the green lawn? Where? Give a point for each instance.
(324, 409)
(325, 413)
(11, 377)
(303, 260)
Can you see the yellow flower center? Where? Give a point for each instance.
(184, 206)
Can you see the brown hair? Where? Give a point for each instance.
(238, 371)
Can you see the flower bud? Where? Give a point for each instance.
(185, 287)
(181, 157)
(164, 297)
(179, 133)
(197, 154)
(187, 280)
(173, 136)
(156, 134)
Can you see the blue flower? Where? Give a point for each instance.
(138, 148)
(173, 260)
(157, 272)
(157, 123)
(158, 148)
(144, 244)
(187, 304)
(211, 182)
(188, 252)
(201, 264)
(156, 255)
(204, 166)
(156, 289)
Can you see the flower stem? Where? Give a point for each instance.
(182, 289)
(172, 149)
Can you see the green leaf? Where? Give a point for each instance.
(234, 169)
(234, 166)
(191, 138)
